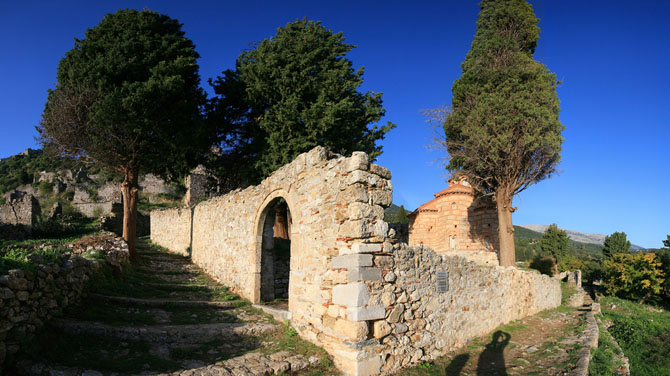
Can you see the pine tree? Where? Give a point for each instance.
(503, 131)
(616, 243)
(128, 98)
(292, 92)
(555, 242)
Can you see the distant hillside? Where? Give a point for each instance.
(577, 236)
(527, 244)
(391, 213)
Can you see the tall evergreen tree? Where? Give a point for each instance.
(128, 97)
(290, 93)
(616, 243)
(503, 131)
(555, 242)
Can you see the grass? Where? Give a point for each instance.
(642, 332)
(287, 339)
(603, 358)
(567, 290)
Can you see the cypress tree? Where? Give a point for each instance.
(503, 131)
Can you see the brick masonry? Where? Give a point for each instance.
(455, 220)
(353, 289)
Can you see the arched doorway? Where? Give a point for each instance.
(276, 254)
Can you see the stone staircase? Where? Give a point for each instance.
(164, 317)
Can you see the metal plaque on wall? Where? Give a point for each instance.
(442, 283)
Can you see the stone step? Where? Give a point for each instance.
(158, 303)
(178, 271)
(164, 334)
(248, 364)
(179, 286)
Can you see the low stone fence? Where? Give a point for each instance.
(29, 299)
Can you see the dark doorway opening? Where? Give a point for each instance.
(276, 255)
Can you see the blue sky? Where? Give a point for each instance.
(611, 56)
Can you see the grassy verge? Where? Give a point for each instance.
(603, 361)
(643, 332)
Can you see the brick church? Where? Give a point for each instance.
(455, 220)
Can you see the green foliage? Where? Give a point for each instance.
(616, 243)
(663, 256)
(45, 188)
(544, 264)
(666, 243)
(584, 256)
(633, 276)
(15, 258)
(555, 242)
(503, 132)
(400, 216)
(21, 169)
(290, 93)
(92, 192)
(128, 96)
(643, 333)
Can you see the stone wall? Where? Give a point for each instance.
(426, 317)
(348, 281)
(171, 228)
(28, 299)
(19, 208)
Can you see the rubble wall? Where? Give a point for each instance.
(426, 318)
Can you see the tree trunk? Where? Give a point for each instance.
(129, 189)
(505, 228)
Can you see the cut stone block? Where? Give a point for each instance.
(364, 274)
(366, 313)
(351, 261)
(351, 295)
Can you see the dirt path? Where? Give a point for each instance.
(166, 317)
(543, 344)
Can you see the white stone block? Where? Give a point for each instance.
(351, 261)
(364, 274)
(358, 248)
(351, 295)
(365, 313)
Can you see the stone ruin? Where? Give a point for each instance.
(374, 303)
(20, 209)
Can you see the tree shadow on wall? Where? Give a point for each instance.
(491, 360)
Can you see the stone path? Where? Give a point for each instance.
(165, 317)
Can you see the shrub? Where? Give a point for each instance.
(544, 264)
(633, 276)
(45, 188)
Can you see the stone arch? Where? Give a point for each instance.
(264, 210)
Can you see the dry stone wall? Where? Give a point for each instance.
(28, 298)
(19, 208)
(368, 300)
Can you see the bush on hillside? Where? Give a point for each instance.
(544, 264)
(633, 276)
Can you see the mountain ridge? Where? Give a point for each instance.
(582, 237)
